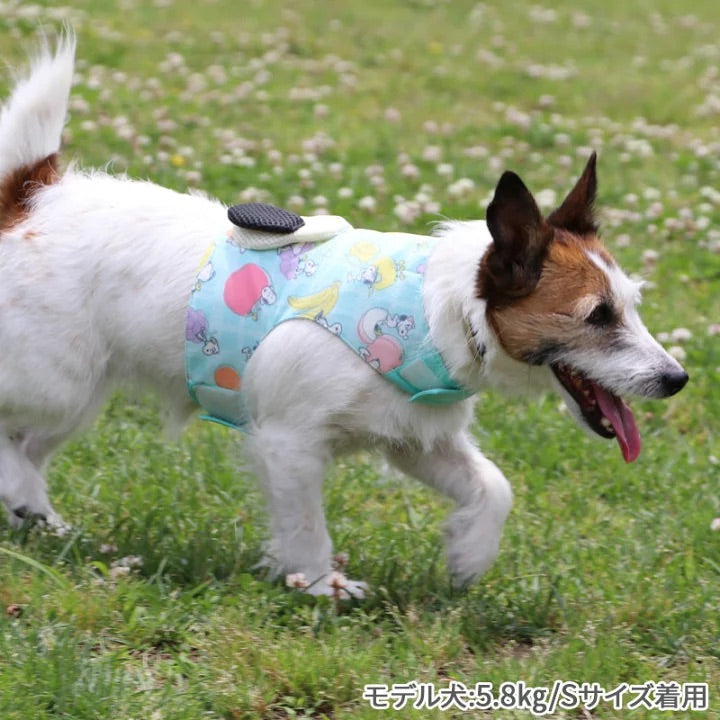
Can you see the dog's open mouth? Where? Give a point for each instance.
(607, 414)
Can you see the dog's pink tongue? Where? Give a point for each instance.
(622, 420)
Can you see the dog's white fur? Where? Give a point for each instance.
(96, 281)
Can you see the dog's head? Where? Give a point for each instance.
(556, 297)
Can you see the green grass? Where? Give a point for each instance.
(608, 573)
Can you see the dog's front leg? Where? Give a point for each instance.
(458, 469)
(291, 471)
(23, 490)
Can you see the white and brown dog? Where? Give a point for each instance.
(97, 276)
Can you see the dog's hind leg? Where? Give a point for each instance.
(23, 489)
(291, 472)
(458, 469)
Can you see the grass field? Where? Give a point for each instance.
(392, 113)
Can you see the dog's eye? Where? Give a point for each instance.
(601, 315)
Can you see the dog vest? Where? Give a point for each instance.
(363, 286)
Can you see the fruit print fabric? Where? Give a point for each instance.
(363, 286)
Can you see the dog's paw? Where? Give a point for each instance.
(55, 525)
(334, 585)
(48, 521)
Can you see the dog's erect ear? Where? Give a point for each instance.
(577, 213)
(512, 266)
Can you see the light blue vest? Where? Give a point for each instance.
(363, 286)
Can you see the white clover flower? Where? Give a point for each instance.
(166, 125)
(685, 213)
(80, 105)
(345, 192)
(476, 152)
(296, 580)
(119, 571)
(392, 115)
(367, 203)
(461, 188)
(715, 524)
(253, 194)
(496, 163)
(542, 15)
(432, 153)
(623, 240)
(274, 156)
(217, 74)
(650, 257)
(410, 171)
(193, 177)
(489, 58)
(518, 117)
(407, 212)
(677, 352)
(337, 580)
(129, 561)
(680, 334)
(546, 198)
(711, 194)
(196, 83)
(546, 101)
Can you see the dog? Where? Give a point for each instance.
(99, 272)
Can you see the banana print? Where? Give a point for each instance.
(319, 302)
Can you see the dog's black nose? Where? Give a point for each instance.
(673, 382)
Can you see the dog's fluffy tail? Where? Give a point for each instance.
(32, 119)
(31, 124)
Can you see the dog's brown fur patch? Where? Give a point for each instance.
(18, 187)
(551, 315)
